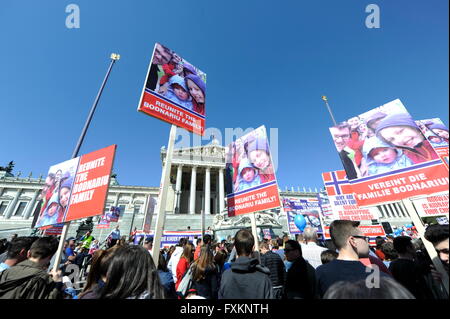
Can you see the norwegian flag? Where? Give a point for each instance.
(336, 183)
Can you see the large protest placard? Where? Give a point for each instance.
(250, 180)
(174, 91)
(306, 206)
(386, 156)
(436, 133)
(103, 223)
(342, 201)
(76, 188)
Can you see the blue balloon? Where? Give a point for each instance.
(300, 222)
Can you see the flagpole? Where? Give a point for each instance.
(324, 98)
(114, 57)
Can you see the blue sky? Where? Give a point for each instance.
(267, 62)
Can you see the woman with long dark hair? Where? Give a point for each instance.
(185, 262)
(204, 275)
(132, 274)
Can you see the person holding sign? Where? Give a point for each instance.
(400, 130)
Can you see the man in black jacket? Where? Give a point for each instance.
(301, 276)
(275, 264)
(246, 279)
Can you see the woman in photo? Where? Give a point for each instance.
(400, 130)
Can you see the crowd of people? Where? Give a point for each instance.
(381, 142)
(345, 267)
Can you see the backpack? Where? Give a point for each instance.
(185, 284)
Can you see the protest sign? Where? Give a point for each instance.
(53, 230)
(76, 188)
(341, 199)
(251, 184)
(113, 214)
(174, 91)
(308, 207)
(103, 223)
(432, 205)
(386, 156)
(437, 134)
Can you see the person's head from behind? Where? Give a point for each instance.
(220, 257)
(131, 273)
(205, 259)
(379, 241)
(292, 250)
(244, 243)
(19, 247)
(275, 244)
(162, 262)
(42, 250)
(183, 241)
(341, 135)
(148, 244)
(438, 236)
(328, 255)
(99, 268)
(404, 246)
(199, 241)
(188, 251)
(207, 240)
(348, 237)
(389, 251)
(388, 289)
(310, 234)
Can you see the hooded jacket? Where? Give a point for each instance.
(246, 279)
(170, 94)
(401, 161)
(27, 280)
(242, 183)
(46, 220)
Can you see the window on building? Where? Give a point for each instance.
(137, 209)
(20, 209)
(3, 206)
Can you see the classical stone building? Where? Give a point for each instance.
(196, 185)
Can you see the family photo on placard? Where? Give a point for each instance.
(382, 140)
(249, 163)
(56, 193)
(177, 80)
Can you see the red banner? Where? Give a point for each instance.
(429, 178)
(257, 200)
(91, 184)
(155, 106)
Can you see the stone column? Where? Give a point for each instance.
(178, 189)
(13, 204)
(208, 191)
(30, 206)
(116, 201)
(193, 190)
(221, 192)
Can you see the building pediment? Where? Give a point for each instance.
(207, 154)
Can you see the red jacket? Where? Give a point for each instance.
(421, 154)
(182, 266)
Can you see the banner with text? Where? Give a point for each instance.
(432, 206)
(342, 201)
(170, 238)
(309, 207)
(387, 157)
(76, 188)
(250, 180)
(174, 91)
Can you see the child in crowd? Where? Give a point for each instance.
(248, 176)
(381, 157)
(178, 92)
